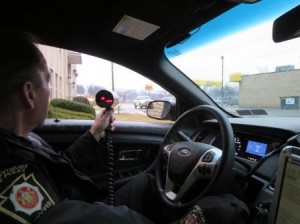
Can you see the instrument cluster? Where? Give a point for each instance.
(254, 147)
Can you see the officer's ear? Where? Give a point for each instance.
(29, 93)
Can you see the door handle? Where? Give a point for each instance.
(130, 155)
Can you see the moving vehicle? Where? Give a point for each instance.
(142, 102)
(197, 51)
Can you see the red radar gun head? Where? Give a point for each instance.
(104, 99)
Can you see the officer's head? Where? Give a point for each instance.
(24, 79)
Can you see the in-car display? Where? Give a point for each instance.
(256, 148)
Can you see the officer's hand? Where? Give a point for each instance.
(104, 120)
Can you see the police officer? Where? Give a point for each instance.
(37, 184)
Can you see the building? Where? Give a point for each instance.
(270, 87)
(62, 66)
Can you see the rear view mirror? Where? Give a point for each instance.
(287, 26)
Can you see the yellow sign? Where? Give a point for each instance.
(235, 77)
(201, 82)
(148, 87)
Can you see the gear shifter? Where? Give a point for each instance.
(105, 99)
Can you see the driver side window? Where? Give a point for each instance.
(77, 77)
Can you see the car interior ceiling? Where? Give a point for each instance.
(173, 19)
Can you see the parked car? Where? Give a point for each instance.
(194, 50)
(142, 102)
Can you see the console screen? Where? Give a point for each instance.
(256, 148)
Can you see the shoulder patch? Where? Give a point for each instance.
(23, 197)
(195, 216)
(26, 198)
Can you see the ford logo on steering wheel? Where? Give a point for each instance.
(184, 152)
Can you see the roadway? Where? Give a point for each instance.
(128, 108)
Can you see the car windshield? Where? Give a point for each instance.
(239, 66)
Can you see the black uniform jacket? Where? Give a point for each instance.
(39, 185)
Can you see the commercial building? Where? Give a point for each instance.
(62, 66)
(279, 89)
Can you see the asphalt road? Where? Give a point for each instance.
(128, 108)
(125, 108)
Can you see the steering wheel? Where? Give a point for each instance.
(188, 170)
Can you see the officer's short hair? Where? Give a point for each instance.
(20, 60)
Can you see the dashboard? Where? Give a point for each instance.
(254, 140)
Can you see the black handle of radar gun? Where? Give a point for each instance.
(105, 99)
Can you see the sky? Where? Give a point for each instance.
(240, 56)
(98, 72)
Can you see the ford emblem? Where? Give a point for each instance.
(184, 152)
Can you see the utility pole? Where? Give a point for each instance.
(222, 57)
(112, 77)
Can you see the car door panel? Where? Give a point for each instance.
(135, 144)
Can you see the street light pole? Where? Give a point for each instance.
(112, 77)
(222, 57)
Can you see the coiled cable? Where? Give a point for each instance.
(110, 170)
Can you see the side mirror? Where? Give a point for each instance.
(159, 109)
(287, 26)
